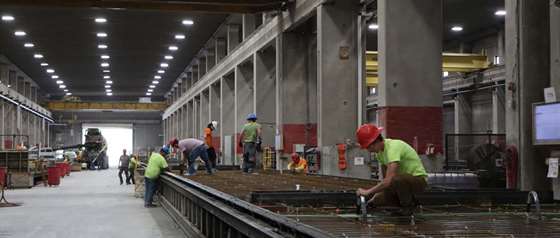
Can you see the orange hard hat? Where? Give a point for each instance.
(367, 134)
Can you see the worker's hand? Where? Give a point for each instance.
(361, 192)
(240, 144)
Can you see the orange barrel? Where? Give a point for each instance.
(3, 171)
(53, 173)
(62, 171)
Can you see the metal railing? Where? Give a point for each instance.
(202, 211)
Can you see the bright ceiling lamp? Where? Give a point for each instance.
(164, 65)
(28, 45)
(500, 12)
(173, 48)
(109, 82)
(20, 33)
(38, 56)
(101, 34)
(102, 46)
(100, 20)
(7, 18)
(187, 22)
(457, 28)
(179, 36)
(373, 26)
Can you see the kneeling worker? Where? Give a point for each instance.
(156, 165)
(298, 165)
(403, 172)
(192, 149)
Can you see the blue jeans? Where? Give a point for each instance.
(150, 190)
(199, 151)
(249, 156)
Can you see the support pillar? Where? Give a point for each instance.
(244, 100)
(221, 49)
(201, 67)
(210, 59)
(410, 100)
(463, 124)
(216, 115)
(204, 112)
(229, 120)
(249, 24)
(498, 110)
(265, 92)
(555, 48)
(233, 37)
(527, 74)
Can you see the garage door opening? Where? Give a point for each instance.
(118, 137)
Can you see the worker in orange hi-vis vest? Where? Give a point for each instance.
(208, 140)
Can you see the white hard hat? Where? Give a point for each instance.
(214, 124)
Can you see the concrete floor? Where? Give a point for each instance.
(86, 204)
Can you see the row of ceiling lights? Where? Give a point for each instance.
(167, 58)
(454, 28)
(104, 57)
(50, 71)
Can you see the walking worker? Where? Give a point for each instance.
(156, 165)
(298, 164)
(123, 166)
(132, 165)
(403, 172)
(208, 140)
(250, 141)
(191, 150)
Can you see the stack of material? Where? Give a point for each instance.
(139, 183)
(18, 167)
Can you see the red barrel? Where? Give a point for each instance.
(53, 173)
(62, 171)
(2, 176)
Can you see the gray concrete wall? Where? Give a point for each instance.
(244, 79)
(265, 92)
(228, 117)
(555, 48)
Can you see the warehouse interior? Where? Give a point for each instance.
(469, 86)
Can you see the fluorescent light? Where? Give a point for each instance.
(54, 76)
(173, 48)
(457, 28)
(148, 94)
(101, 34)
(106, 71)
(106, 77)
(161, 71)
(50, 71)
(164, 65)
(65, 90)
(168, 57)
(107, 86)
(38, 56)
(105, 65)
(68, 94)
(373, 26)
(7, 18)
(62, 86)
(500, 12)
(152, 86)
(109, 82)
(20, 33)
(105, 56)
(59, 82)
(28, 45)
(150, 90)
(102, 46)
(108, 90)
(155, 82)
(445, 74)
(100, 20)
(157, 77)
(187, 22)
(179, 36)
(44, 64)
(109, 94)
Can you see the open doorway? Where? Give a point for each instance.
(118, 137)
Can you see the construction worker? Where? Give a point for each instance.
(250, 141)
(156, 165)
(132, 165)
(298, 164)
(403, 172)
(123, 167)
(191, 150)
(208, 140)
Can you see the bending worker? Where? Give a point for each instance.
(156, 165)
(192, 149)
(403, 172)
(298, 164)
(250, 141)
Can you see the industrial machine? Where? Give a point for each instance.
(95, 150)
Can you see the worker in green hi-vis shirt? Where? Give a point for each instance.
(403, 171)
(250, 140)
(156, 165)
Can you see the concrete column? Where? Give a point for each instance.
(498, 110)
(12, 79)
(190, 115)
(463, 124)
(2, 120)
(216, 115)
(244, 99)
(179, 89)
(229, 120)
(221, 49)
(501, 47)
(279, 145)
(164, 129)
(20, 85)
(195, 74)
(405, 111)
(233, 37)
(27, 89)
(204, 111)
(265, 92)
(527, 67)
(196, 117)
(249, 24)
(34, 94)
(180, 118)
(4, 72)
(210, 58)
(201, 67)
(555, 48)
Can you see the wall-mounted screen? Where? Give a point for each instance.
(546, 124)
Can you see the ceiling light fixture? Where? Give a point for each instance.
(109, 82)
(108, 90)
(373, 26)
(38, 56)
(173, 48)
(104, 65)
(68, 94)
(28, 45)
(157, 77)
(155, 82)
(148, 94)
(50, 71)
(150, 90)
(101, 34)
(152, 86)
(7, 18)
(59, 82)
(100, 20)
(107, 86)
(109, 94)
(106, 71)
(44, 64)
(105, 57)
(187, 22)
(168, 57)
(500, 12)
(54, 76)
(161, 71)
(164, 65)
(102, 46)
(179, 36)
(65, 90)
(106, 77)
(457, 28)
(62, 86)
(20, 33)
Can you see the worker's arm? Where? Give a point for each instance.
(240, 142)
(391, 172)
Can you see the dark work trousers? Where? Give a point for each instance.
(130, 177)
(149, 191)
(212, 157)
(401, 191)
(125, 170)
(249, 156)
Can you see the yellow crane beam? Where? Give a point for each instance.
(451, 62)
(112, 106)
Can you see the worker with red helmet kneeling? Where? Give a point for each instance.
(298, 164)
(403, 172)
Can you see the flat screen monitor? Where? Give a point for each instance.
(546, 123)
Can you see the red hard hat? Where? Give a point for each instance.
(295, 157)
(367, 134)
(174, 142)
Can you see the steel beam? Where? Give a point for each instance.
(113, 106)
